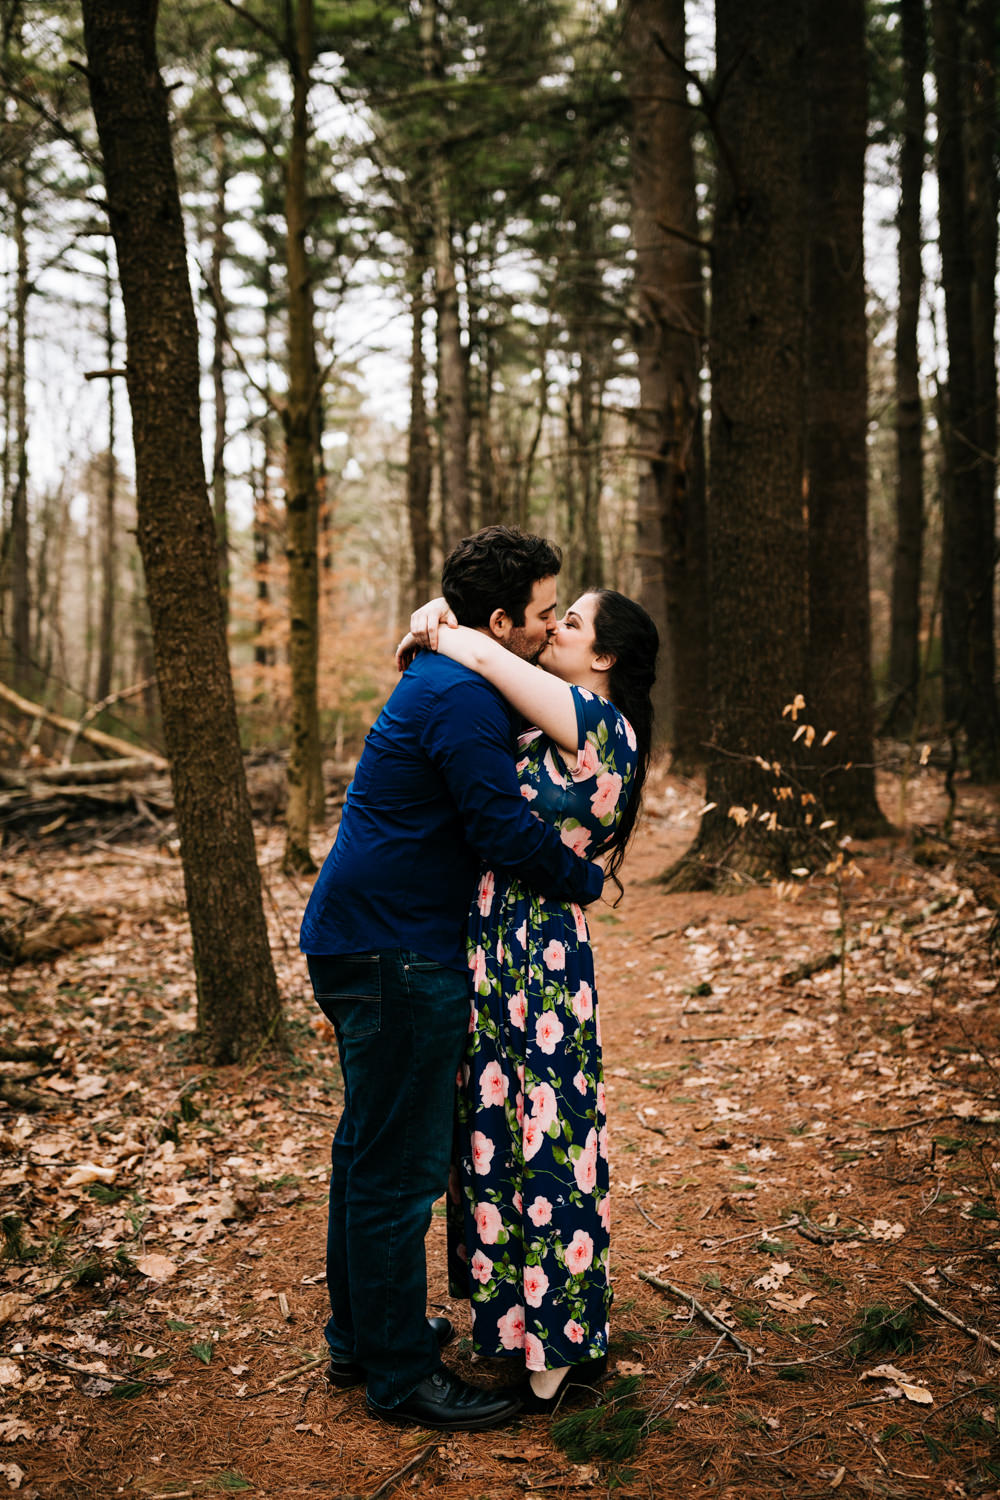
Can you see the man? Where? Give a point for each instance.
(435, 793)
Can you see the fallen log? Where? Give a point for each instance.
(85, 773)
(93, 736)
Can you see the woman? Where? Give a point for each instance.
(531, 1239)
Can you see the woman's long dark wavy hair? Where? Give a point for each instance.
(623, 629)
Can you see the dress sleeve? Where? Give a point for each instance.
(466, 734)
(606, 738)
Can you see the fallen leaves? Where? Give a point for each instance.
(900, 1385)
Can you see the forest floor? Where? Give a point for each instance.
(804, 1093)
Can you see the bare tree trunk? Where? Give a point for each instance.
(239, 1010)
(302, 500)
(839, 693)
(219, 339)
(19, 525)
(108, 524)
(964, 34)
(418, 458)
(904, 645)
(757, 539)
(669, 332)
(452, 395)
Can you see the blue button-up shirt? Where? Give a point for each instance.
(435, 795)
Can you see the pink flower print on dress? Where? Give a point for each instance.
(517, 1009)
(554, 955)
(500, 950)
(577, 839)
(580, 1083)
(554, 774)
(481, 1268)
(574, 1332)
(528, 793)
(540, 1212)
(579, 922)
(602, 1098)
(519, 1109)
(520, 765)
(482, 1152)
(488, 1222)
(493, 1085)
(602, 1143)
(604, 1213)
(532, 1136)
(536, 1284)
(630, 738)
(543, 1104)
(478, 966)
(548, 1032)
(485, 894)
(534, 1352)
(583, 1002)
(511, 1328)
(605, 799)
(579, 1252)
(585, 1166)
(516, 1200)
(588, 762)
(522, 933)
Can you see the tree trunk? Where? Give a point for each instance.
(108, 525)
(904, 644)
(219, 339)
(756, 534)
(452, 395)
(302, 498)
(669, 331)
(418, 457)
(19, 525)
(839, 693)
(964, 33)
(239, 1010)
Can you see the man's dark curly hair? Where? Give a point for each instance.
(496, 569)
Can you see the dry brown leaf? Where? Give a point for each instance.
(156, 1267)
(89, 1171)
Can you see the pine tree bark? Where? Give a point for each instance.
(756, 532)
(904, 642)
(669, 332)
(239, 1009)
(220, 507)
(302, 496)
(839, 693)
(965, 41)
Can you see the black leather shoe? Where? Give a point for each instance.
(345, 1373)
(447, 1403)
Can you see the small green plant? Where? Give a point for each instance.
(794, 1372)
(611, 1432)
(15, 1246)
(885, 1330)
(102, 1193)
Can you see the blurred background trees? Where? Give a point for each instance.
(456, 263)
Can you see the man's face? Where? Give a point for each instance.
(529, 640)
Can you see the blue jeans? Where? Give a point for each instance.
(401, 1023)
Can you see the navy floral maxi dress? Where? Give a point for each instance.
(529, 1211)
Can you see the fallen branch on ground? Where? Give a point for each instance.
(951, 1317)
(702, 1311)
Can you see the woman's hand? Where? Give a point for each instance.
(406, 651)
(424, 622)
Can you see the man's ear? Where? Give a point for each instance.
(500, 624)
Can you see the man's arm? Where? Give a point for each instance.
(467, 736)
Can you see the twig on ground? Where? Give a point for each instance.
(645, 1215)
(407, 1469)
(656, 1129)
(701, 1310)
(950, 1317)
(310, 1364)
(760, 1234)
(658, 1410)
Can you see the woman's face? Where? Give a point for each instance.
(569, 651)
